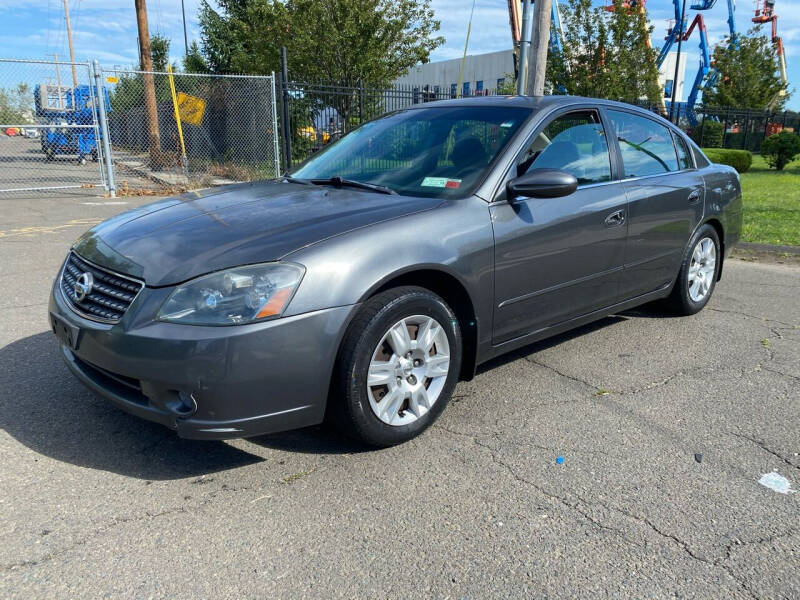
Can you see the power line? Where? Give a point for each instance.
(47, 37)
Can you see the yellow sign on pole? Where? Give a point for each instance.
(178, 121)
(191, 108)
(112, 79)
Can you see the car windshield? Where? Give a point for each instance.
(434, 152)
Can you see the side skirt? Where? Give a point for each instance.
(546, 332)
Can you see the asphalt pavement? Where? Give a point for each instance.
(665, 426)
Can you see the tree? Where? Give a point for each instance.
(348, 41)
(159, 51)
(748, 75)
(780, 149)
(194, 62)
(16, 105)
(606, 53)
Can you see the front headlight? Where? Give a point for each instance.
(234, 296)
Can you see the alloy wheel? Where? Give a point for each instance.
(702, 269)
(408, 370)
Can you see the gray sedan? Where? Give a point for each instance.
(363, 286)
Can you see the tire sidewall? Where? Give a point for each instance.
(415, 302)
(682, 285)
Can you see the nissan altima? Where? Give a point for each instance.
(363, 285)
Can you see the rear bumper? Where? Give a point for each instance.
(209, 382)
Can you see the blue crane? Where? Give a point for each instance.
(71, 115)
(706, 74)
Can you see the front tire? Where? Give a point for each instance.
(698, 274)
(397, 367)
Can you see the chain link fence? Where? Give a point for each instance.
(49, 127)
(181, 130)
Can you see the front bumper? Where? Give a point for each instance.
(244, 380)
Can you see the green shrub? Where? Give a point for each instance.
(708, 134)
(738, 159)
(780, 149)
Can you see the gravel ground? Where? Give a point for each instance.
(96, 503)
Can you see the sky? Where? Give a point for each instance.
(106, 29)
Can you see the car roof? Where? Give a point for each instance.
(538, 103)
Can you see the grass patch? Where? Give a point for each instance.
(771, 204)
(290, 479)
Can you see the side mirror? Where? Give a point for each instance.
(542, 183)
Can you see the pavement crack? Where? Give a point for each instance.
(562, 374)
(528, 444)
(577, 506)
(779, 372)
(96, 533)
(764, 447)
(748, 315)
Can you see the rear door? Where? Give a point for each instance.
(559, 258)
(665, 200)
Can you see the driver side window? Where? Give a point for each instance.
(575, 143)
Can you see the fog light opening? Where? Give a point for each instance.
(183, 405)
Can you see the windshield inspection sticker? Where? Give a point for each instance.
(441, 182)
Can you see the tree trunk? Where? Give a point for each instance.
(150, 105)
(540, 40)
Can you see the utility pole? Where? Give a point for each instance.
(540, 40)
(185, 37)
(524, 47)
(150, 106)
(58, 82)
(71, 48)
(680, 27)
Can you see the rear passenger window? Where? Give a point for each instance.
(646, 146)
(575, 143)
(684, 160)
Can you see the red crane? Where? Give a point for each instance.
(765, 13)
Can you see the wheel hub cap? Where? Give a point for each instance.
(408, 370)
(702, 269)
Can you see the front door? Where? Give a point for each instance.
(665, 201)
(559, 258)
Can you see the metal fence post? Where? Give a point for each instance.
(360, 102)
(725, 126)
(101, 111)
(746, 129)
(287, 129)
(702, 129)
(275, 130)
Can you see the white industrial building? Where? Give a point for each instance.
(483, 73)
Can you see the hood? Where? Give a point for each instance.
(176, 239)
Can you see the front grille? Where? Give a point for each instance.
(111, 293)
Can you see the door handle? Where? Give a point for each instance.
(694, 196)
(615, 219)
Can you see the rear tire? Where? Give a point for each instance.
(698, 274)
(389, 384)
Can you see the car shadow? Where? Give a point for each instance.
(321, 439)
(47, 410)
(549, 342)
(652, 310)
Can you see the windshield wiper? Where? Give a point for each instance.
(289, 179)
(341, 182)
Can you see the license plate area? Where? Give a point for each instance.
(68, 334)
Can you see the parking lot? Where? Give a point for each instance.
(665, 426)
(24, 165)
